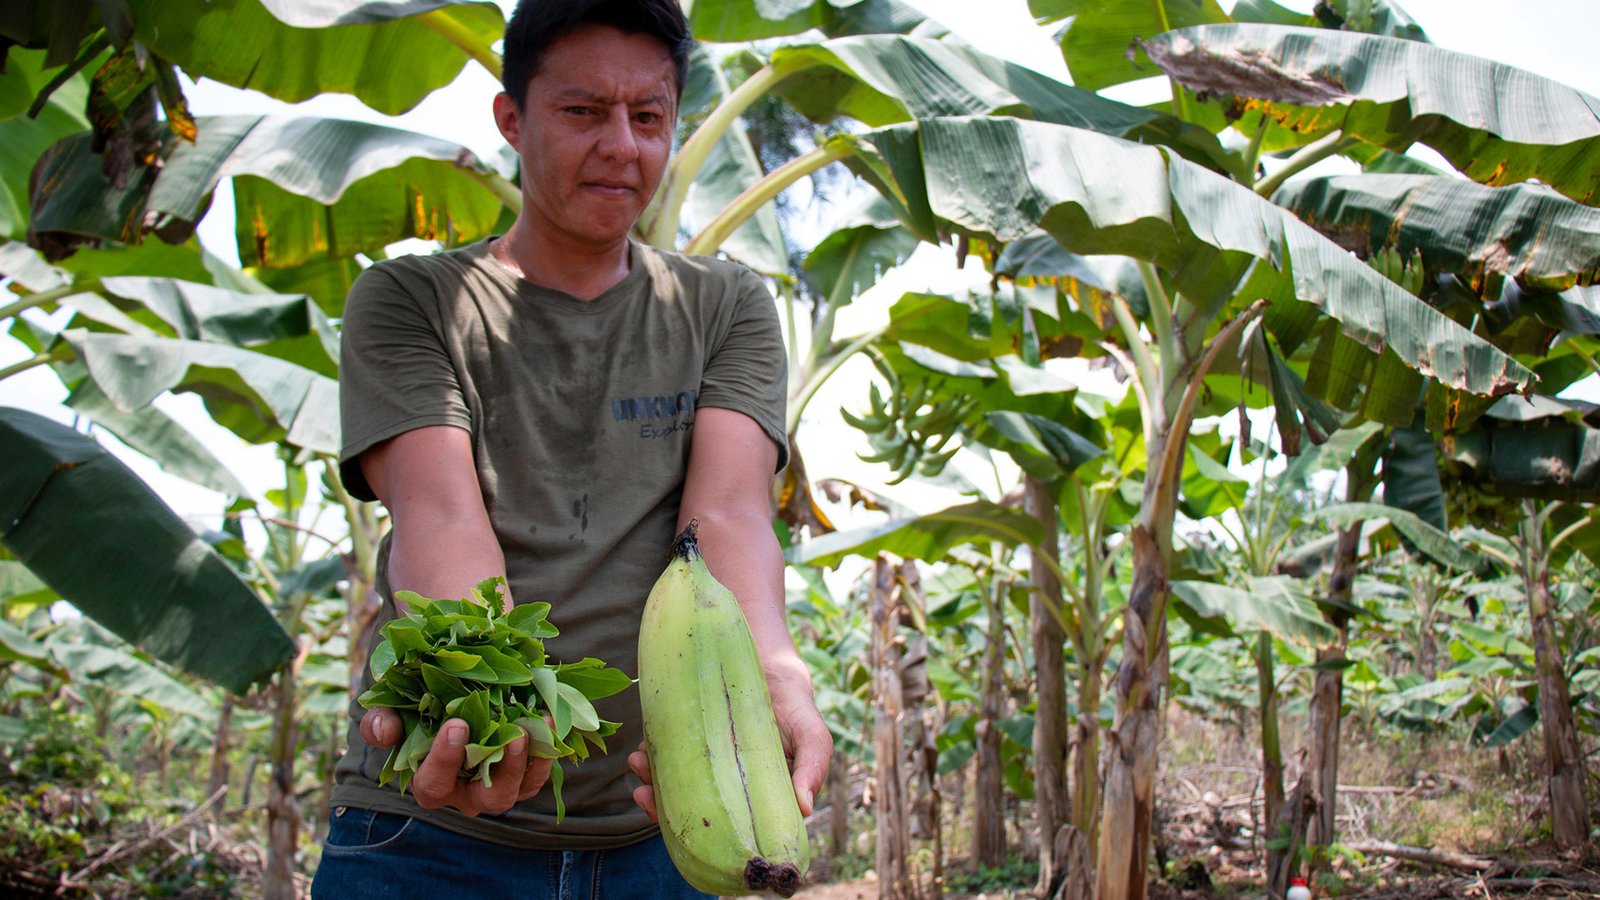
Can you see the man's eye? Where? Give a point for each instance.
(578, 110)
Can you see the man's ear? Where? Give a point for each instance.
(508, 119)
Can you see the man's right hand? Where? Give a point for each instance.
(438, 783)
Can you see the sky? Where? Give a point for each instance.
(1547, 37)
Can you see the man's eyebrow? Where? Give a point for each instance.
(588, 96)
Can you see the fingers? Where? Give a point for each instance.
(436, 781)
(506, 775)
(639, 762)
(813, 749)
(644, 796)
(382, 728)
(535, 777)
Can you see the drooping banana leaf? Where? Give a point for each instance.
(17, 646)
(159, 436)
(131, 677)
(1495, 123)
(300, 184)
(1526, 232)
(1042, 447)
(20, 587)
(883, 79)
(927, 537)
(1095, 41)
(390, 55)
(24, 138)
(851, 259)
(1539, 447)
(1002, 178)
(1433, 542)
(93, 531)
(284, 326)
(1278, 605)
(257, 397)
(1377, 17)
(753, 20)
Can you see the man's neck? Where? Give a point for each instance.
(582, 270)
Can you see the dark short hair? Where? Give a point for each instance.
(537, 24)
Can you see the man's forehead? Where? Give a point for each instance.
(601, 63)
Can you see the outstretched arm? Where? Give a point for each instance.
(728, 489)
(442, 546)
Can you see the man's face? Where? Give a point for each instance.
(594, 134)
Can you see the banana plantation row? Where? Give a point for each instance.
(1405, 534)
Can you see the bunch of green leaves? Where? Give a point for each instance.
(475, 660)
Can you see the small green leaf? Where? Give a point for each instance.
(382, 658)
(530, 619)
(557, 776)
(584, 718)
(591, 676)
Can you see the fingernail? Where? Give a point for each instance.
(806, 798)
(457, 736)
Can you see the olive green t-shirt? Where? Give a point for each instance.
(581, 413)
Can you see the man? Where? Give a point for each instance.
(554, 404)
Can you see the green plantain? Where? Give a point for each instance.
(723, 792)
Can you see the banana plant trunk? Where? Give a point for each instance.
(1050, 694)
(1168, 386)
(1280, 844)
(1327, 706)
(218, 780)
(1563, 756)
(988, 811)
(283, 810)
(839, 801)
(894, 838)
(1133, 743)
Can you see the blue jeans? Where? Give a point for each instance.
(381, 856)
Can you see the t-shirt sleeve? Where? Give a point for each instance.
(395, 371)
(749, 370)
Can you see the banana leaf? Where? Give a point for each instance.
(1095, 41)
(1495, 123)
(381, 52)
(927, 537)
(1431, 541)
(1538, 447)
(23, 138)
(286, 327)
(852, 258)
(257, 397)
(1281, 606)
(1003, 178)
(17, 646)
(96, 534)
(20, 587)
(1525, 232)
(753, 20)
(304, 188)
(884, 79)
(159, 436)
(131, 677)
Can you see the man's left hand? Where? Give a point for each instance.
(806, 741)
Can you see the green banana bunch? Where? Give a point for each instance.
(1406, 272)
(723, 792)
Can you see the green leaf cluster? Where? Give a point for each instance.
(474, 659)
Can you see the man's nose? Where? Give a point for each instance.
(617, 140)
